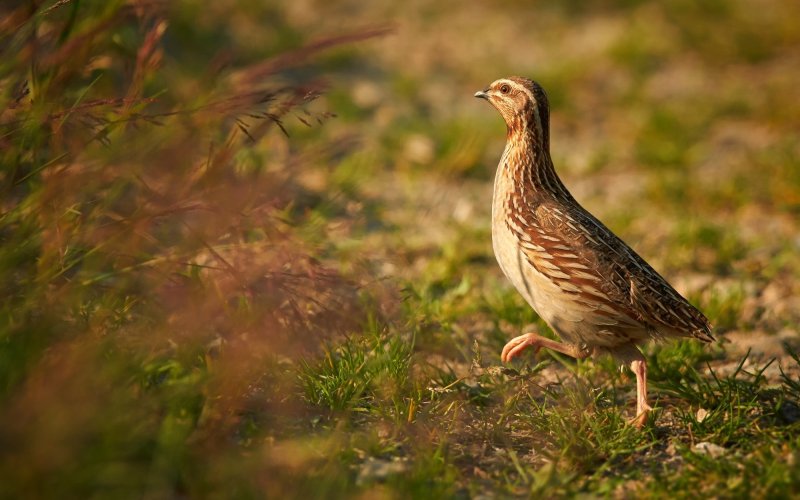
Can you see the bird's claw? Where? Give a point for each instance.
(515, 346)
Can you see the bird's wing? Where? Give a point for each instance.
(583, 257)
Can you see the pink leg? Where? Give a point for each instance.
(515, 346)
(639, 368)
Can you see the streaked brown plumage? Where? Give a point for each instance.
(593, 290)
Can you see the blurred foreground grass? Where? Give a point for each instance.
(211, 286)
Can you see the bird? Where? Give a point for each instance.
(593, 290)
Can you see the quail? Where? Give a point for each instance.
(592, 289)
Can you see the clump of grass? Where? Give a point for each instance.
(583, 429)
(361, 374)
(734, 406)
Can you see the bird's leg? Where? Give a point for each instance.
(515, 346)
(639, 368)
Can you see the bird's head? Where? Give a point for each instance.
(522, 103)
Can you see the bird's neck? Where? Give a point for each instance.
(528, 166)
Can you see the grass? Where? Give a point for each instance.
(245, 249)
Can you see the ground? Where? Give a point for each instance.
(246, 248)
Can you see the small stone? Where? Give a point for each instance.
(790, 412)
(710, 449)
(377, 469)
(702, 414)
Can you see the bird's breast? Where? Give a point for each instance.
(575, 322)
(537, 289)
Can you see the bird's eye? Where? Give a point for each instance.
(505, 89)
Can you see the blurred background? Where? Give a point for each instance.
(246, 245)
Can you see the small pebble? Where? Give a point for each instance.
(710, 449)
(375, 469)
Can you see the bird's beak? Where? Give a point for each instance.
(482, 94)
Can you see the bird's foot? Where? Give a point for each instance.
(642, 416)
(639, 368)
(515, 346)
